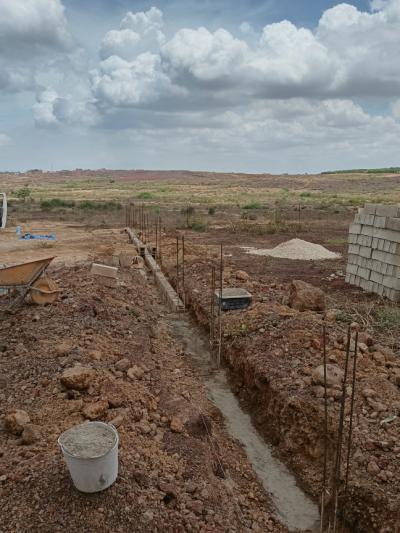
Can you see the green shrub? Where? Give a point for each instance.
(253, 205)
(211, 211)
(100, 206)
(145, 195)
(198, 225)
(56, 202)
(305, 195)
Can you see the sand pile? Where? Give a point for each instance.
(296, 249)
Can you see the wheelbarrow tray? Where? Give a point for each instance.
(23, 274)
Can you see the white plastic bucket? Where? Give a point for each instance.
(93, 474)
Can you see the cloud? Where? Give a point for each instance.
(5, 140)
(122, 83)
(32, 26)
(33, 33)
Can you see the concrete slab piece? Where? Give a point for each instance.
(104, 270)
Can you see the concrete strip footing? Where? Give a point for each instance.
(173, 300)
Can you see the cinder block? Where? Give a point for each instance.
(351, 269)
(368, 230)
(388, 211)
(365, 251)
(380, 222)
(354, 249)
(364, 273)
(104, 270)
(376, 277)
(391, 282)
(355, 229)
(374, 243)
(370, 209)
(387, 234)
(352, 239)
(347, 278)
(393, 224)
(380, 290)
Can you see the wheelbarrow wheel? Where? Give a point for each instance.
(44, 291)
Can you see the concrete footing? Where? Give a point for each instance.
(173, 300)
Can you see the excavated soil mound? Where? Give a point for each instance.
(296, 249)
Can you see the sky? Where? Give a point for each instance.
(215, 85)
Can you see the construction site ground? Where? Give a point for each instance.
(179, 470)
(273, 350)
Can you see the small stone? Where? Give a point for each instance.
(30, 434)
(368, 393)
(242, 275)
(330, 316)
(144, 427)
(16, 420)
(123, 365)
(334, 375)
(117, 421)
(373, 468)
(63, 348)
(176, 425)
(95, 410)
(135, 373)
(95, 355)
(303, 297)
(78, 377)
(362, 347)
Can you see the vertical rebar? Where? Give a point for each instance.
(183, 272)
(212, 308)
(156, 232)
(221, 275)
(177, 265)
(159, 242)
(351, 413)
(340, 435)
(324, 480)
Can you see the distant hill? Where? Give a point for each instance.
(389, 170)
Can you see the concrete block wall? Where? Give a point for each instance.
(374, 250)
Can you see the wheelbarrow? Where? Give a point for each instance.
(29, 278)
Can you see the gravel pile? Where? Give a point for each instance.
(296, 249)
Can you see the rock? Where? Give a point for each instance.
(95, 355)
(365, 338)
(135, 372)
(95, 410)
(303, 297)
(373, 468)
(118, 420)
(242, 275)
(16, 420)
(77, 377)
(123, 364)
(330, 316)
(30, 434)
(362, 347)
(379, 358)
(176, 425)
(334, 375)
(199, 425)
(144, 427)
(63, 348)
(368, 393)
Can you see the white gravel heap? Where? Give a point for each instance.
(296, 249)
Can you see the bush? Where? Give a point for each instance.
(211, 211)
(198, 225)
(100, 206)
(23, 193)
(253, 205)
(56, 202)
(145, 195)
(305, 195)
